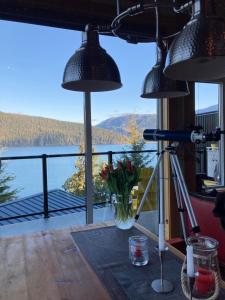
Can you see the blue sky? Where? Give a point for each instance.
(31, 67)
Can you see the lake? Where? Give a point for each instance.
(28, 173)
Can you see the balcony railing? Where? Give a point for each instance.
(44, 159)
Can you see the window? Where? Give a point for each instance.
(209, 115)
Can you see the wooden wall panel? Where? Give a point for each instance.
(178, 115)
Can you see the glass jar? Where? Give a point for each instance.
(123, 210)
(206, 282)
(138, 250)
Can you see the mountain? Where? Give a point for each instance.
(23, 130)
(120, 124)
(208, 109)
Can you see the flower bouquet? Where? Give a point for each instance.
(120, 180)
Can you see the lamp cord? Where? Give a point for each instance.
(117, 7)
(157, 24)
(161, 45)
(139, 9)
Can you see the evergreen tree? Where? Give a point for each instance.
(76, 183)
(5, 192)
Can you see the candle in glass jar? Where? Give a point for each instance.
(204, 282)
(161, 237)
(190, 261)
(138, 250)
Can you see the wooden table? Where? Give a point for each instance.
(47, 265)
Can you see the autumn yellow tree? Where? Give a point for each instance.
(137, 143)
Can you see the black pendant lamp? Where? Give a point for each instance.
(198, 51)
(156, 85)
(91, 68)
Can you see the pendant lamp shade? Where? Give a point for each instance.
(156, 85)
(198, 51)
(91, 69)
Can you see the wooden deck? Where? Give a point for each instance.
(57, 199)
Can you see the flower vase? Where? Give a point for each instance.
(123, 211)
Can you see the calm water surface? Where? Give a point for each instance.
(28, 173)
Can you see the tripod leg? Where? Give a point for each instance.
(148, 186)
(179, 200)
(184, 191)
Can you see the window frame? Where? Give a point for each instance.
(221, 116)
(222, 126)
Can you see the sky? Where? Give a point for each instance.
(32, 62)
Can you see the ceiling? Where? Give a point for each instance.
(75, 14)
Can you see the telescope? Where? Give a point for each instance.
(194, 136)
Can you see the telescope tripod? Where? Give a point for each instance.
(182, 195)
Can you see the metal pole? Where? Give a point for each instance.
(110, 161)
(88, 157)
(161, 166)
(110, 158)
(45, 185)
(161, 193)
(222, 125)
(161, 285)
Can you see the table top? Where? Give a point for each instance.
(47, 265)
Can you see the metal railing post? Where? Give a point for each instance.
(110, 157)
(45, 185)
(110, 161)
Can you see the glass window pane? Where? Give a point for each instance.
(208, 166)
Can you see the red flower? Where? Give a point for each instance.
(120, 164)
(128, 165)
(122, 178)
(104, 174)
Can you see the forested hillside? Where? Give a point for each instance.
(120, 124)
(22, 130)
